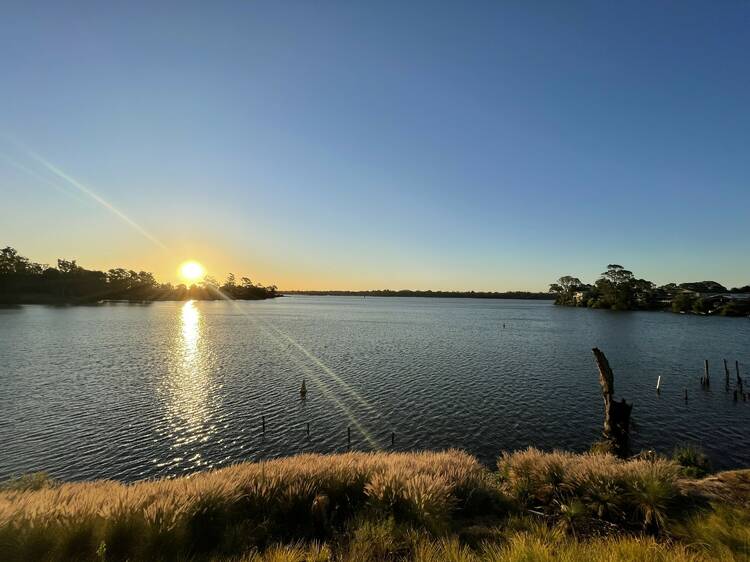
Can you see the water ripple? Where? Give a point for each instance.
(135, 392)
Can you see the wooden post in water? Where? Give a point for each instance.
(726, 373)
(706, 380)
(308, 430)
(737, 370)
(303, 390)
(393, 438)
(686, 395)
(616, 414)
(658, 385)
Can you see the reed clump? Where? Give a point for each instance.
(592, 489)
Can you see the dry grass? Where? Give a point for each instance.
(517, 547)
(371, 507)
(579, 488)
(235, 508)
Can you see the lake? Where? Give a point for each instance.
(137, 391)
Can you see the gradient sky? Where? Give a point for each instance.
(354, 145)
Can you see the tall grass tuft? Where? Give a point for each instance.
(594, 486)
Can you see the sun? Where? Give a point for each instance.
(192, 271)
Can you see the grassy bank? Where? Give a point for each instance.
(380, 506)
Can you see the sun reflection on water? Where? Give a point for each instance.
(190, 330)
(189, 394)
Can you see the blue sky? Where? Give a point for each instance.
(443, 145)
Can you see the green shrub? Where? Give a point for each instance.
(28, 482)
(693, 460)
(567, 486)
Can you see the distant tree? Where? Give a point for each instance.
(735, 308)
(683, 302)
(701, 306)
(643, 293)
(565, 289)
(11, 262)
(669, 288)
(146, 279)
(615, 288)
(68, 267)
(704, 287)
(617, 275)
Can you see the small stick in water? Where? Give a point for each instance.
(348, 436)
(303, 390)
(393, 438)
(658, 384)
(308, 430)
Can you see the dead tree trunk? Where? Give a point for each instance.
(616, 414)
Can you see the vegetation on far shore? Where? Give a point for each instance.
(619, 289)
(437, 294)
(25, 282)
(428, 506)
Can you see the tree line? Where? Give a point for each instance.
(428, 293)
(23, 281)
(619, 289)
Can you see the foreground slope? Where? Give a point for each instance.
(388, 506)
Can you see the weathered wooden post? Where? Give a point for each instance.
(726, 373)
(308, 430)
(303, 390)
(616, 414)
(658, 385)
(706, 379)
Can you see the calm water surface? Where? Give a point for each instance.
(135, 391)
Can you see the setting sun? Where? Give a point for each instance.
(191, 271)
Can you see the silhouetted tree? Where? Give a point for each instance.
(24, 281)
